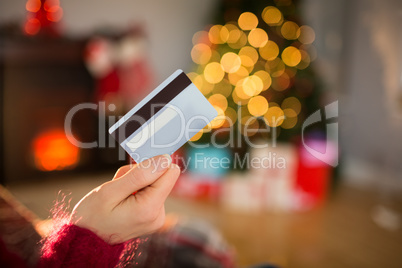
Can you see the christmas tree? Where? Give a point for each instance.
(253, 65)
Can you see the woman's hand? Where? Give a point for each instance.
(116, 215)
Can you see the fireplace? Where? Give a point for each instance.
(52, 150)
(42, 79)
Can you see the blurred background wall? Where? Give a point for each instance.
(169, 25)
(371, 91)
(359, 47)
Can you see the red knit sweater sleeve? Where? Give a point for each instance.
(73, 246)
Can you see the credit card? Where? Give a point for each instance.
(164, 120)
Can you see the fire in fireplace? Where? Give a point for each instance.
(53, 151)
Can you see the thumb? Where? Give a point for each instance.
(140, 176)
(161, 188)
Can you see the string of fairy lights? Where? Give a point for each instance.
(239, 67)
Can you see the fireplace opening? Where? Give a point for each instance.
(52, 150)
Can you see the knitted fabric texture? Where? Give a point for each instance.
(73, 246)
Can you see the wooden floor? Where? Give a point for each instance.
(340, 234)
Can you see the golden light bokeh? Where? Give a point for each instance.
(249, 68)
(275, 67)
(201, 53)
(290, 119)
(305, 60)
(291, 56)
(265, 77)
(250, 126)
(241, 41)
(242, 112)
(312, 51)
(289, 113)
(206, 87)
(231, 26)
(230, 62)
(231, 117)
(291, 72)
(236, 99)
(248, 21)
(218, 100)
(197, 136)
(200, 37)
(200, 82)
(192, 76)
(234, 33)
(207, 128)
(215, 56)
(281, 82)
(196, 79)
(270, 51)
(274, 117)
(257, 105)
(214, 34)
(289, 123)
(248, 56)
(247, 119)
(224, 34)
(213, 73)
(291, 103)
(272, 16)
(223, 87)
(237, 61)
(219, 120)
(273, 104)
(258, 37)
(252, 85)
(290, 30)
(239, 96)
(247, 62)
(306, 34)
(234, 78)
